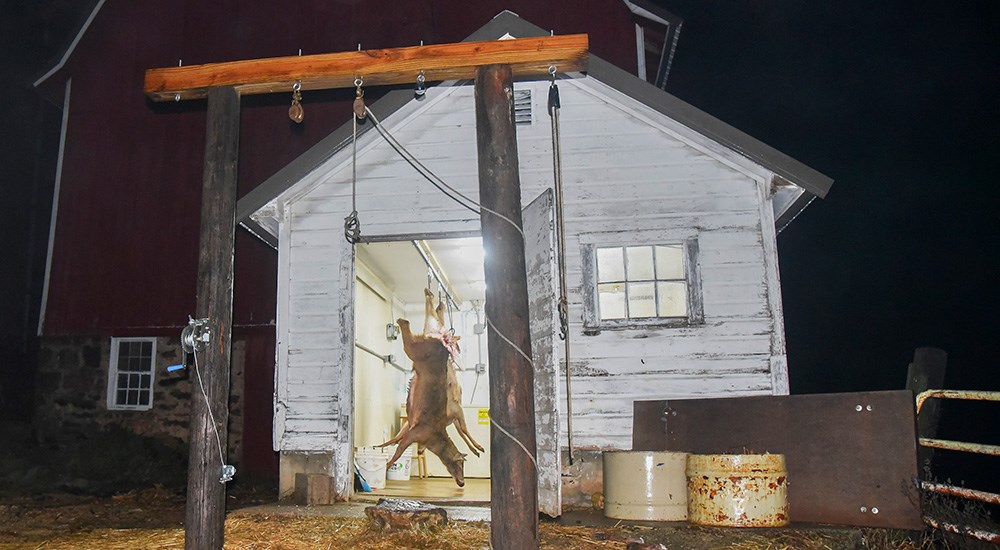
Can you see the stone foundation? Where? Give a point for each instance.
(71, 399)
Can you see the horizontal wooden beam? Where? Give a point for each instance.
(525, 56)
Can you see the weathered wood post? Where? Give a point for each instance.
(926, 372)
(206, 496)
(514, 506)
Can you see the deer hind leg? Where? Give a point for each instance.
(430, 318)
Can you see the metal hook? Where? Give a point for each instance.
(297, 86)
(421, 87)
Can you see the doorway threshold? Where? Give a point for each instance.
(433, 490)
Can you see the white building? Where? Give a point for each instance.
(671, 219)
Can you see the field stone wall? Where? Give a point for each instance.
(71, 396)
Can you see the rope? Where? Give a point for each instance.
(554, 106)
(352, 225)
(449, 191)
(519, 444)
(208, 405)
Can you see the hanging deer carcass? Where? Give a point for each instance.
(427, 402)
(434, 325)
(423, 407)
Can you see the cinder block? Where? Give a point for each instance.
(314, 489)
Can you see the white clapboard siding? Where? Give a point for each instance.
(630, 175)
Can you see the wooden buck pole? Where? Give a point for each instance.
(514, 506)
(206, 496)
(515, 497)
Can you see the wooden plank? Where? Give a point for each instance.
(851, 457)
(514, 507)
(525, 56)
(206, 498)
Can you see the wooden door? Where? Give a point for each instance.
(538, 224)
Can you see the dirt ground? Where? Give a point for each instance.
(153, 518)
(105, 501)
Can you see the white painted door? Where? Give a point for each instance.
(343, 447)
(537, 223)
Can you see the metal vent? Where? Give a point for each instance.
(522, 107)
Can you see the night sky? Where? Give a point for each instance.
(896, 101)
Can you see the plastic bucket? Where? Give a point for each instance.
(738, 490)
(400, 471)
(645, 485)
(371, 465)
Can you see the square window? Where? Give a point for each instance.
(131, 373)
(641, 285)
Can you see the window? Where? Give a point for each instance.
(640, 285)
(130, 374)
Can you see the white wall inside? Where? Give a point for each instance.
(379, 388)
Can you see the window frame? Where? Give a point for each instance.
(113, 372)
(592, 322)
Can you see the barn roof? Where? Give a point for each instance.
(813, 182)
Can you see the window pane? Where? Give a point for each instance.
(144, 381)
(611, 299)
(144, 398)
(120, 397)
(640, 263)
(122, 381)
(641, 301)
(669, 262)
(610, 265)
(146, 349)
(133, 397)
(673, 299)
(133, 381)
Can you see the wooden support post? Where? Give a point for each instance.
(926, 372)
(206, 496)
(514, 506)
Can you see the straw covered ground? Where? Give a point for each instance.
(153, 518)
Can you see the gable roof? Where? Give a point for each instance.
(813, 182)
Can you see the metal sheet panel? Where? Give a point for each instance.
(851, 457)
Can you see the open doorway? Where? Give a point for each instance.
(391, 278)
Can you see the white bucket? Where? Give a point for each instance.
(645, 485)
(371, 465)
(400, 471)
